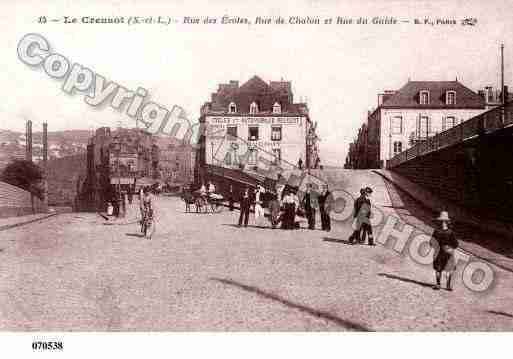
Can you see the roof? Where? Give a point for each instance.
(264, 94)
(408, 95)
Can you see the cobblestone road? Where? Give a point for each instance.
(200, 272)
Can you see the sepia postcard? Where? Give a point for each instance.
(239, 168)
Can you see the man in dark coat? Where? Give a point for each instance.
(310, 204)
(355, 236)
(245, 204)
(324, 203)
(364, 218)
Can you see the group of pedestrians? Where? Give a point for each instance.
(443, 240)
(284, 206)
(362, 214)
(246, 200)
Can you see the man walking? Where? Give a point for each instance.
(245, 203)
(364, 218)
(355, 236)
(324, 203)
(310, 204)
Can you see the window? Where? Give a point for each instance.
(253, 133)
(232, 108)
(276, 108)
(448, 122)
(277, 155)
(231, 132)
(252, 157)
(398, 147)
(397, 125)
(450, 97)
(253, 108)
(276, 133)
(424, 126)
(424, 97)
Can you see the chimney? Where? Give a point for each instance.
(503, 92)
(45, 143)
(45, 168)
(28, 141)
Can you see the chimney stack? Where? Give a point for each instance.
(45, 143)
(45, 166)
(503, 97)
(28, 141)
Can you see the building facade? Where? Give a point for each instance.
(116, 161)
(257, 124)
(418, 110)
(176, 161)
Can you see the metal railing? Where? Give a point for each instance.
(486, 122)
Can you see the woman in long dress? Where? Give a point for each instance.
(274, 211)
(289, 211)
(445, 243)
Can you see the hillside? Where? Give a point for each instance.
(63, 175)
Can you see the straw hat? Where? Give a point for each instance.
(444, 216)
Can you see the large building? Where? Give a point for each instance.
(117, 161)
(418, 110)
(254, 121)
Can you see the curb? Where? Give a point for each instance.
(9, 226)
(504, 232)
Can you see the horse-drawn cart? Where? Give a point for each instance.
(202, 202)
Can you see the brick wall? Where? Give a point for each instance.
(15, 201)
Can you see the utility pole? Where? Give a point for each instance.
(503, 95)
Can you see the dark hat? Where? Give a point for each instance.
(362, 191)
(368, 190)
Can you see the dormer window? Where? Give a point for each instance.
(232, 108)
(450, 97)
(424, 97)
(276, 108)
(253, 108)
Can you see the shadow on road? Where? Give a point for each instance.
(500, 313)
(314, 312)
(420, 216)
(249, 226)
(407, 280)
(336, 240)
(138, 235)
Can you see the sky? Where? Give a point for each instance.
(338, 69)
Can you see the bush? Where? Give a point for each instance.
(24, 174)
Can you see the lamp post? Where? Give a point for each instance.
(309, 145)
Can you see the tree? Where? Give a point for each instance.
(24, 174)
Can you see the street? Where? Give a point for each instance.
(200, 272)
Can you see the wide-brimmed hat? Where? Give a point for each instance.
(444, 216)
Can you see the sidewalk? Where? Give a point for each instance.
(12, 222)
(431, 201)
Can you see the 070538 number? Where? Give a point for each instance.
(47, 346)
